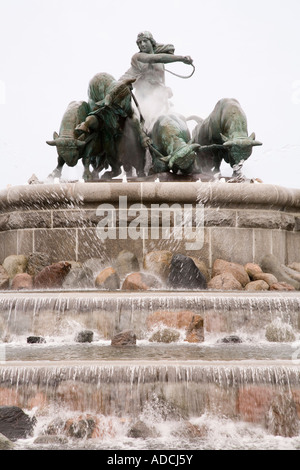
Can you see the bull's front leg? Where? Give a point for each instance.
(56, 173)
(237, 175)
(87, 174)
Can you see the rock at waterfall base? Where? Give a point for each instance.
(124, 338)
(108, 279)
(22, 281)
(267, 277)
(166, 335)
(195, 330)
(224, 281)
(84, 336)
(252, 269)
(139, 281)
(140, 430)
(158, 263)
(238, 271)
(258, 285)
(14, 423)
(184, 274)
(52, 276)
(279, 332)
(35, 340)
(15, 264)
(37, 262)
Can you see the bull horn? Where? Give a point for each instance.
(165, 159)
(80, 143)
(224, 138)
(255, 142)
(228, 143)
(51, 142)
(194, 146)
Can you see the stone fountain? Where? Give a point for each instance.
(153, 355)
(187, 386)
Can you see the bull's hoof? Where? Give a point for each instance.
(237, 179)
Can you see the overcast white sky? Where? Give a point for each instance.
(248, 50)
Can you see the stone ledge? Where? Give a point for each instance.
(211, 194)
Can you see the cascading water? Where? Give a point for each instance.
(236, 389)
(181, 392)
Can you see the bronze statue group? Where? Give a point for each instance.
(128, 122)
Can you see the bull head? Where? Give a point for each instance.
(67, 148)
(182, 157)
(60, 141)
(242, 141)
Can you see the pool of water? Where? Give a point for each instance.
(144, 350)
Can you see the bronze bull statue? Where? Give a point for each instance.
(223, 135)
(70, 149)
(171, 147)
(102, 132)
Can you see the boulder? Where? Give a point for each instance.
(202, 267)
(35, 340)
(158, 263)
(36, 262)
(225, 281)
(124, 338)
(166, 335)
(270, 264)
(108, 279)
(140, 430)
(125, 263)
(231, 339)
(4, 278)
(279, 332)
(52, 276)
(195, 330)
(238, 271)
(252, 269)
(140, 281)
(267, 277)
(14, 423)
(184, 274)
(81, 428)
(22, 281)
(257, 285)
(187, 430)
(15, 264)
(79, 278)
(84, 336)
(282, 286)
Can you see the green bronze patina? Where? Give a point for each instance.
(122, 118)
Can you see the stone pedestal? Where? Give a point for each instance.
(239, 222)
